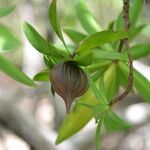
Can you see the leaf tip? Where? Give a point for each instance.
(58, 140)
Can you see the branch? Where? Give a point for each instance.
(126, 44)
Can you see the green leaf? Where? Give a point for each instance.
(84, 58)
(96, 74)
(140, 50)
(12, 71)
(99, 110)
(54, 21)
(100, 65)
(86, 105)
(135, 9)
(114, 123)
(7, 40)
(101, 38)
(97, 135)
(80, 116)
(123, 80)
(48, 61)
(111, 26)
(136, 30)
(140, 82)
(39, 42)
(85, 17)
(110, 77)
(98, 94)
(101, 89)
(110, 55)
(42, 76)
(75, 36)
(6, 10)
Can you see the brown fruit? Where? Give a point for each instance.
(69, 81)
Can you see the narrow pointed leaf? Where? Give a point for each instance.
(123, 80)
(7, 40)
(101, 88)
(110, 77)
(136, 7)
(136, 30)
(97, 135)
(111, 26)
(101, 38)
(114, 123)
(99, 65)
(6, 10)
(109, 55)
(84, 58)
(39, 42)
(85, 17)
(95, 90)
(75, 36)
(42, 76)
(99, 110)
(86, 105)
(140, 82)
(12, 71)
(141, 50)
(48, 61)
(54, 20)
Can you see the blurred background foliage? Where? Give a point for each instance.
(36, 107)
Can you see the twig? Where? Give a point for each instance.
(126, 44)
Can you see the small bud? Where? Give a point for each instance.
(69, 81)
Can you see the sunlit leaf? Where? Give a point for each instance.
(85, 17)
(6, 10)
(140, 82)
(140, 50)
(136, 7)
(7, 40)
(97, 135)
(99, 110)
(42, 76)
(75, 36)
(109, 55)
(123, 80)
(48, 61)
(98, 94)
(54, 21)
(99, 65)
(114, 123)
(136, 30)
(111, 26)
(84, 58)
(111, 80)
(86, 105)
(101, 38)
(39, 42)
(101, 89)
(12, 71)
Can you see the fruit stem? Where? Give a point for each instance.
(68, 101)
